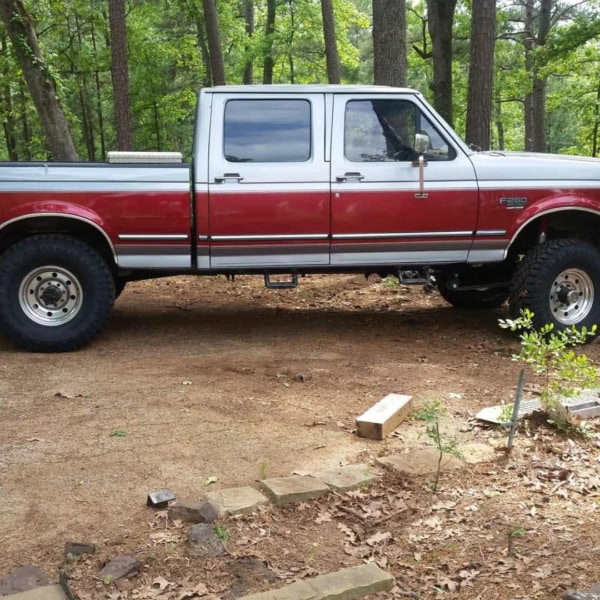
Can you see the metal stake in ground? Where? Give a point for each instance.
(515, 415)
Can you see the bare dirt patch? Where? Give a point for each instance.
(198, 378)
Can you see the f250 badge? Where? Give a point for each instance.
(514, 203)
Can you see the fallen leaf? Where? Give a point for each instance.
(378, 538)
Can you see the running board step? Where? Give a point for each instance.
(281, 285)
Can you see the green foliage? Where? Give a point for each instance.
(222, 533)
(551, 354)
(118, 433)
(167, 67)
(431, 413)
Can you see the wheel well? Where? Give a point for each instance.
(82, 230)
(564, 224)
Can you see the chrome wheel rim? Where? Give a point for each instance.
(50, 296)
(571, 296)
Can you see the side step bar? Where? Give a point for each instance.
(281, 285)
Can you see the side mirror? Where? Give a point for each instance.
(422, 143)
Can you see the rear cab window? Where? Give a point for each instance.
(267, 130)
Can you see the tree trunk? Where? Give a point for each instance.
(25, 121)
(249, 18)
(499, 124)
(291, 42)
(441, 18)
(540, 83)
(211, 21)
(479, 99)
(331, 50)
(22, 34)
(99, 111)
(535, 100)
(120, 73)
(389, 42)
(269, 31)
(7, 106)
(87, 122)
(596, 123)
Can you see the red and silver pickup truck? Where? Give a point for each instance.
(293, 180)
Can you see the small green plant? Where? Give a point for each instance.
(262, 470)
(431, 412)
(364, 486)
(222, 532)
(118, 433)
(390, 282)
(513, 532)
(549, 353)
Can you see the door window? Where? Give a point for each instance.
(384, 131)
(267, 131)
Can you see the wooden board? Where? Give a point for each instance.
(384, 417)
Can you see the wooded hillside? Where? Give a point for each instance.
(80, 78)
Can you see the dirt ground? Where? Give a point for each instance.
(206, 378)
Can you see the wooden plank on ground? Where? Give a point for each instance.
(384, 417)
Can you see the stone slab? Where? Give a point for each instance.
(297, 488)
(203, 542)
(236, 501)
(23, 579)
(344, 479)
(419, 462)
(48, 592)
(382, 418)
(347, 584)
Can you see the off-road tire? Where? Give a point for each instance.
(535, 279)
(93, 299)
(485, 298)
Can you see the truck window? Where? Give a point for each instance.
(267, 131)
(384, 131)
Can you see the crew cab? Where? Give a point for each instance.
(294, 180)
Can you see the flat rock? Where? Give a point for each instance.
(236, 501)
(344, 479)
(297, 488)
(203, 512)
(249, 572)
(347, 584)
(75, 549)
(23, 579)
(478, 453)
(203, 541)
(48, 592)
(419, 462)
(592, 594)
(119, 567)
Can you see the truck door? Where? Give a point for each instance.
(382, 212)
(268, 182)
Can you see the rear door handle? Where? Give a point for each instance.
(229, 177)
(355, 176)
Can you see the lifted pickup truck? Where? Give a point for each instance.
(293, 180)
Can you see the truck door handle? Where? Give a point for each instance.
(421, 163)
(229, 177)
(350, 177)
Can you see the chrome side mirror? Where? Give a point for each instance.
(422, 143)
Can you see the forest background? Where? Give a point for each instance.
(79, 78)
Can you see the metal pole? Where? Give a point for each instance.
(515, 415)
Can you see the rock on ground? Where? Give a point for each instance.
(48, 592)
(203, 541)
(344, 479)
(119, 567)
(237, 501)
(297, 488)
(204, 512)
(23, 579)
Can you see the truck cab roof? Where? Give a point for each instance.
(308, 89)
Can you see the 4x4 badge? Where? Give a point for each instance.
(513, 202)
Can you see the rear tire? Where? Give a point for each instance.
(559, 281)
(56, 293)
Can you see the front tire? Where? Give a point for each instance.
(56, 293)
(559, 282)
